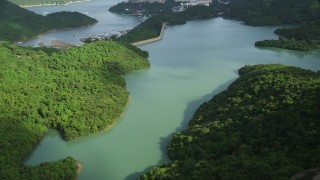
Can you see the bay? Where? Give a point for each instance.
(109, 23)
(192, 63)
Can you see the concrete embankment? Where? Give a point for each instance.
(152, 39)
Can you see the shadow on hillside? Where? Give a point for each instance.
(188, 114)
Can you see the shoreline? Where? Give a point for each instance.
(52, 31)
(79, 164)
(57, 45)
(116, 119)
(79, 168)
(53, 4)
(104, 129)
(64, 29)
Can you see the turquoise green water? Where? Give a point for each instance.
(191, 64)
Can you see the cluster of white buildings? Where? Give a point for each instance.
(187, 3)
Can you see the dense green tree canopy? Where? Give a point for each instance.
(266, 125)
(144, 8)
(77, 91)
(302, 38)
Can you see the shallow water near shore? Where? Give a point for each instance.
(189, 65)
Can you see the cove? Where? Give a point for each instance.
(192, 63)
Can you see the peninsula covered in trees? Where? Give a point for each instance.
(77, 91)
(17, 24)
(264, 126)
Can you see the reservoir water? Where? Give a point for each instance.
(191, 64)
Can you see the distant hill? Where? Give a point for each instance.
(143, 8)
(17, 23)
(40, 2)
(268, 12)
(266, 125)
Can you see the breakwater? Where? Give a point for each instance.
(164, 25)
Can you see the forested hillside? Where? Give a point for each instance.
(269, 12)
(40, 2)
(302, 38)
(266, 125)
(78, 91)
(18, 24)
(144, 8)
